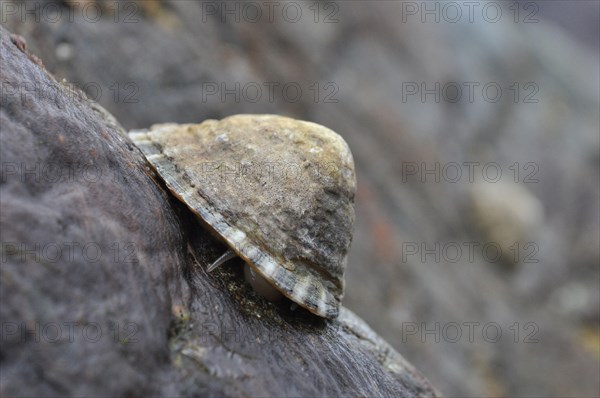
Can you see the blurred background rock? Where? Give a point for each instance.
(475, 132)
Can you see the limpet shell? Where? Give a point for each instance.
(279, 191)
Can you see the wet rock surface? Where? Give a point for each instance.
(103, 286)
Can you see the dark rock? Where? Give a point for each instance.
(103, 285)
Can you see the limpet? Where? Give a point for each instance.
(278, 191)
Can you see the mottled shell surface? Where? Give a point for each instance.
(279, 191)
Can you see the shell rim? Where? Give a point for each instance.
(325, 313)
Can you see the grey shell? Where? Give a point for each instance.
(278, 191)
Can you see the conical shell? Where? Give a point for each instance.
(279, 191)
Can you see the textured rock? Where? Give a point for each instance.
(103, 286)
